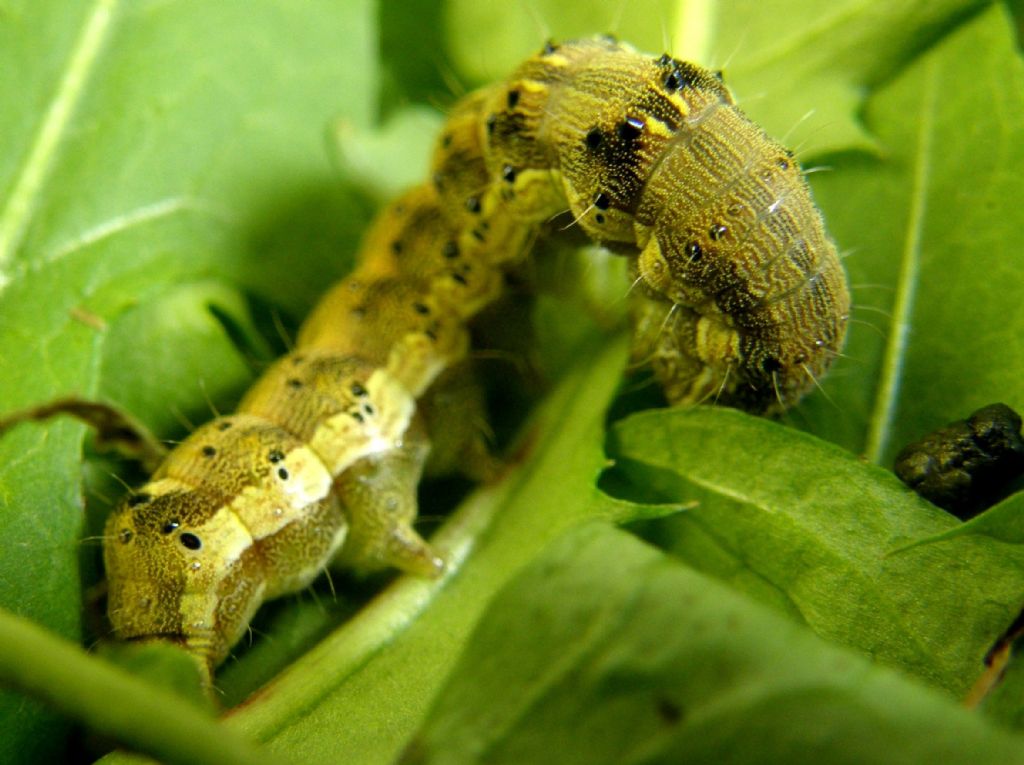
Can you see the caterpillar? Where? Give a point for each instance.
(739, 297)
(322, 458)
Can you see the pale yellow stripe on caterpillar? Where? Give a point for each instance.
(209, 622)
(367, 413)
(365, 426)
(239, 512)
(290, 477)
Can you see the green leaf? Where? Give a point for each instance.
(488, 40)
(818, 534)
(931, 225)
(151, 719)
(158, 158)
(1003, 522)
(369, 157)
(605, 651)
(812, 63)
(167, 192)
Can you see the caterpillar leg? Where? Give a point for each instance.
(456, 418)
(378, 494)
(666, 338)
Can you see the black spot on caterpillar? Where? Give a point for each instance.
(966, 465)
(740, 298)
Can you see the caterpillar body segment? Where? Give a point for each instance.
(414, 337)
(653, 160)
(189, 558)
(321, 462)
(496, 229)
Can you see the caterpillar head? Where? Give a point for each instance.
(241, 511)
(180, 569)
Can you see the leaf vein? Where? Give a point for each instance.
(25, 191)
(147, 213)
(886, 399)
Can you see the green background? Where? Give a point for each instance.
(178, 179)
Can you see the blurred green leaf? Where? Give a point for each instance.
(488, 40)
(606, 651)
(167, 196)
(808, 528)
(386, 160)
(158, 159)
(114, 702)
(804, 69)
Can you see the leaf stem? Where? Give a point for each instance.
(886, 399)
(694, 30)
(111, 701)
(16, 215)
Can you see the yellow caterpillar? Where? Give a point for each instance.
(740, 296)
(321, 460)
